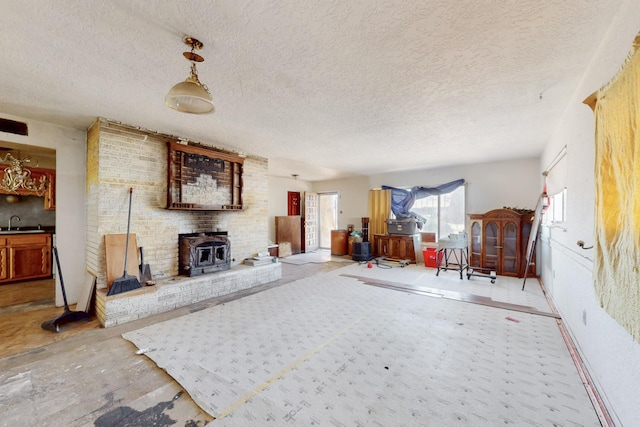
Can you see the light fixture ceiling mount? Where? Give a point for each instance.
(191, 96)
(195, 45)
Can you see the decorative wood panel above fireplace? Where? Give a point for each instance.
(203, 179)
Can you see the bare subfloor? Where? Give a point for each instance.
(87, 375)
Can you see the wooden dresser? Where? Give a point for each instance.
(398, 247)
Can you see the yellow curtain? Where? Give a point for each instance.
(379, 211)
(617, 176)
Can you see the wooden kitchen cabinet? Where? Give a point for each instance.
(50, 195)
(4, 259)
(498, 241)
(398, 247)
(25, 257)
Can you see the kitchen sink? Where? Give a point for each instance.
(20, 231)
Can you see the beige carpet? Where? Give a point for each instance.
(329, 350)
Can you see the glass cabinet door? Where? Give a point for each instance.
(510, 248)
(491, 245)
(476, 245)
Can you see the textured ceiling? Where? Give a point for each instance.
(324, 88)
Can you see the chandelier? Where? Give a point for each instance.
(191, 96)
(18, 177)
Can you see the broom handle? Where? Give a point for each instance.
(126, 248)
(64, 293)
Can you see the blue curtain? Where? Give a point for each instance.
(402, 200)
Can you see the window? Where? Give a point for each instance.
(444, 214)
(557, 211)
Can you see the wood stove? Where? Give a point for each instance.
(203, 253)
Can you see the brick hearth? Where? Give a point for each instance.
(180, 291)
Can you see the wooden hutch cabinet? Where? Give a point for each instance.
(398, 247)
(498, 241)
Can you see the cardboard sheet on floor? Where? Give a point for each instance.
(86, 293)
(285, 249)
(114, 256)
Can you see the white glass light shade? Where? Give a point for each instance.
(189, 96)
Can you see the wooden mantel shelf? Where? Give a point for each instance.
(189, 166)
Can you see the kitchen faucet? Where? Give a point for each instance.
(11, 219)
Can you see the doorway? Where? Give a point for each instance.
(327, 217)
(293, 203)
(28, 283)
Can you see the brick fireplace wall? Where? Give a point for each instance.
(120, 157)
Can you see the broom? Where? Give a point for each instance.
(127, 282)
(68, 315)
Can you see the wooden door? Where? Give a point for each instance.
(293, 203)
(403, 247)
(310, 223)
(397, 248)
(29, 262)
(381, 245)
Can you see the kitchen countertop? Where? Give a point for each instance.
(28, 230)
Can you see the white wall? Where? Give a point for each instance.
(353, 199)
(513, 183)
(609, 352)
(70, 146)
(516, 184)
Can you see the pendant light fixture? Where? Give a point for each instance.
(191, 96)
